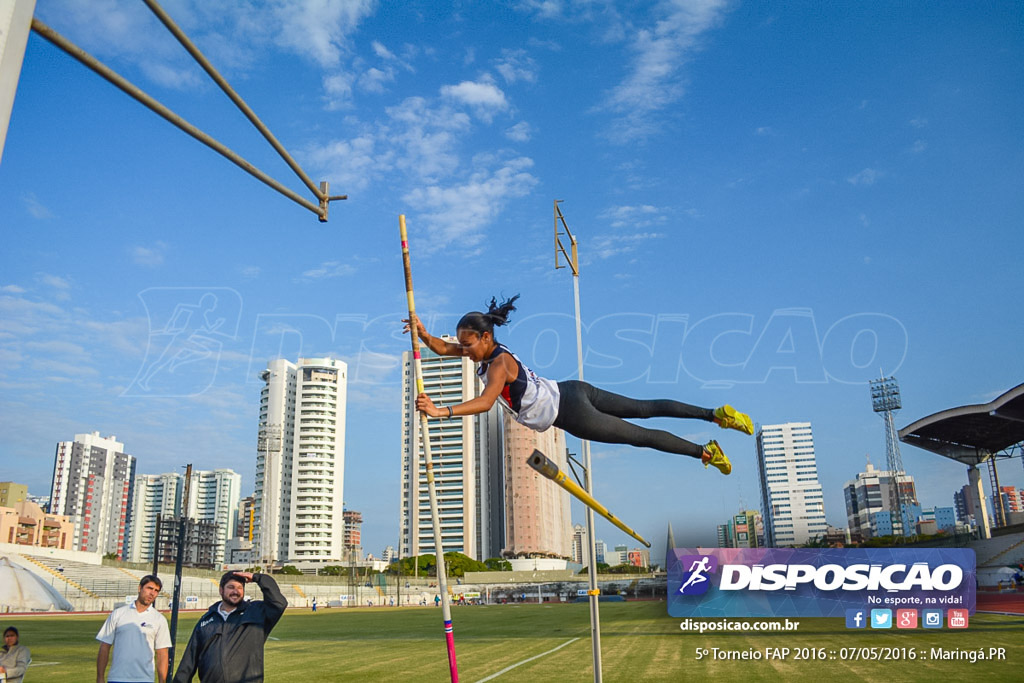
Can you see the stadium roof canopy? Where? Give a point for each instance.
(971, 434)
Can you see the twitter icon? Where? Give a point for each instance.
(881, 618)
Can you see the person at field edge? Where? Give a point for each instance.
(576, 407)
(227, 642)
(14, 657)
(137, 632)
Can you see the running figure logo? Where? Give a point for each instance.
(696, 580)
(188, 329)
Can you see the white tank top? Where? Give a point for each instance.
(532, 400)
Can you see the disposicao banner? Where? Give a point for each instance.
(817, 582)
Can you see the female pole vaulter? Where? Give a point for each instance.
(577, 407)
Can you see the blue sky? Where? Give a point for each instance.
(774, 202)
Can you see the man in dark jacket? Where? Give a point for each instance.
(227, 643)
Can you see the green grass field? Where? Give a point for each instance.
(639, 643)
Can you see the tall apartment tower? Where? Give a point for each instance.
(93, 482)
(537, 512)
(353, 536)
(466, 454)
(300, 462)
(791, 499)
(213, 497)
(155, 494)
(871, 493)
(246, 527)
(579, 544)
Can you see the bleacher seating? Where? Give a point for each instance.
(999, 551)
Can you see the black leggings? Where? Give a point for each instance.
(590, 413)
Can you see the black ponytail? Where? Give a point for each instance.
(497, 314)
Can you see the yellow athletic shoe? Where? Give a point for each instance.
(713, 455)
(728, 417)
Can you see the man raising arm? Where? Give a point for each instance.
(227, 642)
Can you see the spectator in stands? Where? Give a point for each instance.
(227, 643)
(14, 658)
(137, 632)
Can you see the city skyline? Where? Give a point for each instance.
(774, 205)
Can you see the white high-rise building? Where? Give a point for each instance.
(155, 494)
(791, 499)
(300, 462)
(466, 453)
(93, 480)
(213, 497)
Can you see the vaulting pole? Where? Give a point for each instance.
(543, 465)
(442, 578)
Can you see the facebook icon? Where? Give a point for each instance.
(856, 618)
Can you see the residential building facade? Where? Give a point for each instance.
(300, 462)
(93, 485)
(155, 495)
(467, 464)
(12, 493)
(536, 510)
(870, 493)
(25, 523)
(213, 497)
(792, 503)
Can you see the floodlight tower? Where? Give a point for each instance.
(885, 400)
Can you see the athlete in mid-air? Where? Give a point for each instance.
(577, 407)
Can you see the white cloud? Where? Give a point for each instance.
(351, 165)
(606, 246)
(547, 9)
(12, 289)
(521, 132)
(151, 257)
(516, 65)
(373, 79)
(868, 176)
(61, 286)
(184, 78)
(318, 29)
(919, 122)
(918, 147)
(642, 216)
(654, 81)
(459, 212)
(327, 270)
(35, 208)
(381, 51)
(483, 97)
(338, 90)
(764, 130)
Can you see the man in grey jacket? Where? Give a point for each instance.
(227, 642)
